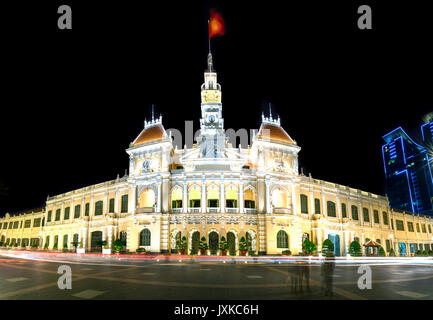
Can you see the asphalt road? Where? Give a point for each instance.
(30, 279)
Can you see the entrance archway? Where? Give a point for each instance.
(231, 240)
(213, 242)
(335, 238)
(96, 239)
(195, 242)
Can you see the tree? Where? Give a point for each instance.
(327, 248)
(203, 245)
(355, 249)
(392, 253)
(382, 252)
(182, 244)
(243, 244)
(309, 247)
(118, 245)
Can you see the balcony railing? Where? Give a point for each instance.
(232, 210)
(145, 210)
(194, 210)
(176, 210)
(213, 210)
(250, 210)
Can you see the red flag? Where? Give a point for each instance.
(216, 24)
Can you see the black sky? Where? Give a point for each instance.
(74, 100)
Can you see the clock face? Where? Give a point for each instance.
(211, 119)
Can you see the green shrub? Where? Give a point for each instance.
(425, 253)
(287, 252)
(392, 253)
(243, 244)
(309, 247)
(140, 250)
(203, 244)
(223, 245)
(55, 246)
(117, 245)
(327, 247)
(355, 249)
(382, 252)
(430, 253)
(182, 244)
(46, 246)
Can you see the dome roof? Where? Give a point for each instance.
(151, 134)
(275, 132)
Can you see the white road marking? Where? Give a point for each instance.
(169, 264)
(254, 277)
(88, 294)
(411, 294)
(87, 269)
(336, 276)
(16, 279)
(205, 269)
(148, 273)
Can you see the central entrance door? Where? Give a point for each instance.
(213, 242)
(231, 240)
(335, 238)
(195, 242)
(96, 241)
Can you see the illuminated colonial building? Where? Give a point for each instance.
(214, 189)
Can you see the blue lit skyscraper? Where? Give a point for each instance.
(408, 170)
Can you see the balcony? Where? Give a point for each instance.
(213, 210)
(232, 210)
(281, 210)
(250, 210)
(176, 210)
(194, 210)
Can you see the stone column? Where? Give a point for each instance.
(241, 197)
(222, 196)
(203, 196)
(185, 197)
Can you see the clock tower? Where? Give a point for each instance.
(212, 137)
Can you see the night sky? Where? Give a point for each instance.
(74, 100)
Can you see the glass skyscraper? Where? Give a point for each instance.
(408, 171)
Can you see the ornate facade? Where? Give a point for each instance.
(214, 189)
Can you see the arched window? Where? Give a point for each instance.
(123, 236)
(75, 238)
(145, 237)
(176, 198)
(304, 203)
(231, 197)
(343, 210)
(147, 198)
(279, 198)
(354, 212)
(366, 215)
(249, 199)
(213, 197)
(194, 197)
(282, 240)
(98, 208)
(331, 209)
(65, 241)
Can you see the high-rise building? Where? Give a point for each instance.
(407, 166)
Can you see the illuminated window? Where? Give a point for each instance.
(365, 215)
(231, 197)
(410, 226)
(331, 209)
(147, 198)
(249, 199)
(65, 241)
(399, 225)
(343, 210)
(87, 209)
(282, 240)
(124, 203)
(176, 198)
(376, 216)
(111, 206)
(98, 208)
(429, 228)
(49, 216)
(37, 223)
(423, 229)
(385, 217)
(145, 237)
(213, 197)
(417, 228)
(77, 211)
(279, 198)
(355, 213)
(66, 215)
(194, 197)
(58, 215)
(304, 203)
(316, 206)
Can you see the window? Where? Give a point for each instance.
(66, 215)
(392, 224)
(355, 213)
(399, 225)
(145, 237)
(98, 208)
(176, 204)
(385, 218)
(194, 197)
(365, 215)
(56, 240)
(5, 226)
(49, 216)
(37, 223)
(75, 238)
(124, 204)
(316, 206)
(87, 209)
(410, 226)
(376, 216)
(282, 240)
(16, 224)
(417, 228)
(304, 203)
(47, 240)
(429, 228)
(423, 229)
(231, 197)
(111, 205)
(378, 241)
(65, 241)
(249, 199)
(58, 215)
(1, 224)
(331, 209)
(279, 198)
(343, 210)
(11, 225)
(77, 211)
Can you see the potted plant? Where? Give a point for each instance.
(243, 246)
(223, 246)
(286, 253)
(23, 245)
(46, 246)
(203, 246)
(117, 245)
(327, 248)
(75, 244)
(182, 245)
(309, 248)
(55, 246)
(65, 247)
(34, 246)
(355, 249)
(141, 251)
(81, 248)
(106, 249)
(382, 252)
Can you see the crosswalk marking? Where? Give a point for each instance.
(88, 294)
(254, 277)
(16, 279)
(411, 294)
(148, 273)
